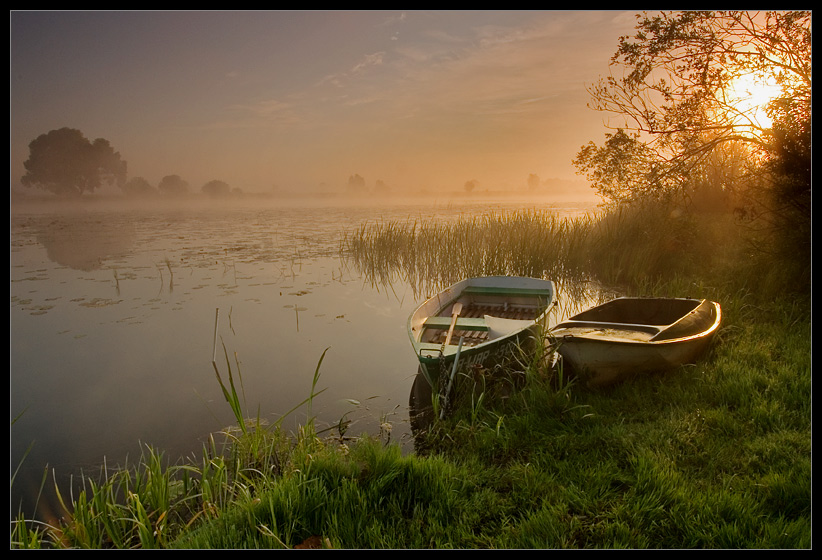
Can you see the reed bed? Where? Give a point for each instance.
(432, 254)
(624, 247)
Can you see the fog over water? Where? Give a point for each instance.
(113, 309)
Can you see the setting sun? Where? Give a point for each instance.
(749, 96)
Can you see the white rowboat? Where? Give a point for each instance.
(478, 320)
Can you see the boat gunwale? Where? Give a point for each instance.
(661, 329)
(447, 351)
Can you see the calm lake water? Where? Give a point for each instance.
(112, 321)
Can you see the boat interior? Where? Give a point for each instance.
(642, 311)
(483, 316)
(642, 319)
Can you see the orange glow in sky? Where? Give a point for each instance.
(303, 100)
(749, 95)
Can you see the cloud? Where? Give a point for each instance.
(263, 113)
(368, 61)
(391, 20)
(342, 79)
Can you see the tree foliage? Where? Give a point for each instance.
(356, 183)
(689, 124)
(675, 92)
(216, 188)
(66, 163)
(788, 192)
(620, 168)
(173, 185)
(139, 187)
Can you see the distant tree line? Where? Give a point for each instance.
(64, 162)
(356, 186)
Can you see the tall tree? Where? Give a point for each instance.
(788, 204)
(65, 162)
(679, 85)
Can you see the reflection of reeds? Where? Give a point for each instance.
(171, 275)
(233, 266)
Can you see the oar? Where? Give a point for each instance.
(454, 314)
(451, 379)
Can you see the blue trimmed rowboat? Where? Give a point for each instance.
(489, 315)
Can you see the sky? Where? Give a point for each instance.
(303, 100)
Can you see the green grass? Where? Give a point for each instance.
(710, 456)
(714, 455)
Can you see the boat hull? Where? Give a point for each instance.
(605, 352)
(488, 356)
(497, 316)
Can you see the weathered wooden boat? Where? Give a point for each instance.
(478, 321)
(628, 336)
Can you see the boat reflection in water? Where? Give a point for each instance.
(420, 409)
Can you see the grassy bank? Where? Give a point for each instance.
(713, 455)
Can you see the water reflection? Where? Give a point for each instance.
(112, 316)
(421, 408)
(83, 242)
